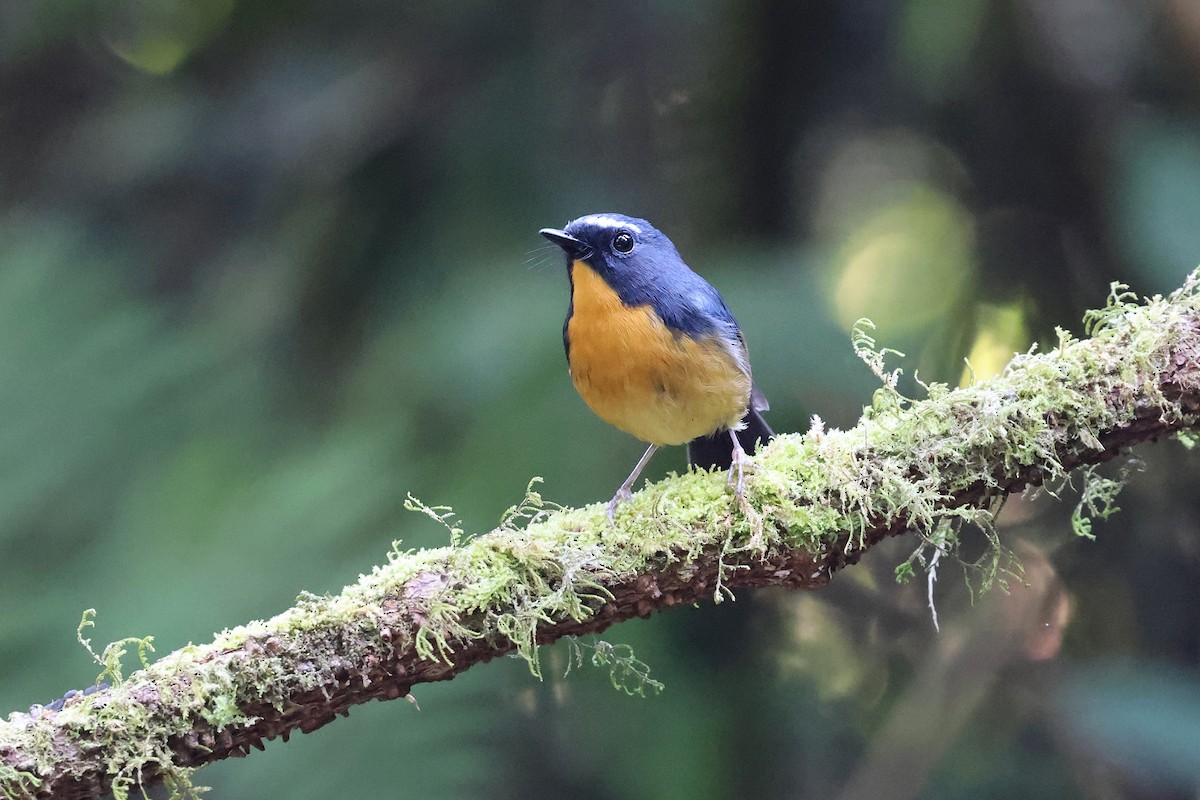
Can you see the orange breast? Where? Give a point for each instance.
(635, 373)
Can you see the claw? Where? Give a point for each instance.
(621, 496)
(626, 490)
(740, 464)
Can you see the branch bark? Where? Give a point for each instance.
(815, 503)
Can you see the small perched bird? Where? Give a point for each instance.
(653, 349)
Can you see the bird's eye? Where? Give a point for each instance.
(623, 243)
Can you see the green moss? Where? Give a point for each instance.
(626, 672)
(1097, 500)
(822, 491)
(15, 783)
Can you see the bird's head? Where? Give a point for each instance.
(613, 245)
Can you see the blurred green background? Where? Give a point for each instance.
(268, 265)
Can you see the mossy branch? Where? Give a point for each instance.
(814, 504)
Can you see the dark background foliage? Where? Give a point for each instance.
(266, 266)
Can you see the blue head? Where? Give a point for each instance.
(643, 267)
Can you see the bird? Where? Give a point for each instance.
(653, 349)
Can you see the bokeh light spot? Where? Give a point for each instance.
(156, 36)
(907, 265)
(1002, 333)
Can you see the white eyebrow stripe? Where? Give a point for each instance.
(609, 222)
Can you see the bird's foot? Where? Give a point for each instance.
(741, 463)
(623, 494)
(626, 490)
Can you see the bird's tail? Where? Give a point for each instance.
(716, 451)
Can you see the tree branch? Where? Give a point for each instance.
(814, 504)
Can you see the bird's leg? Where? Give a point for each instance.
(740, 463)
(625, 492)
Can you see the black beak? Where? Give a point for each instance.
(570, 245)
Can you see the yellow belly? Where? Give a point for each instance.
(638, 375)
